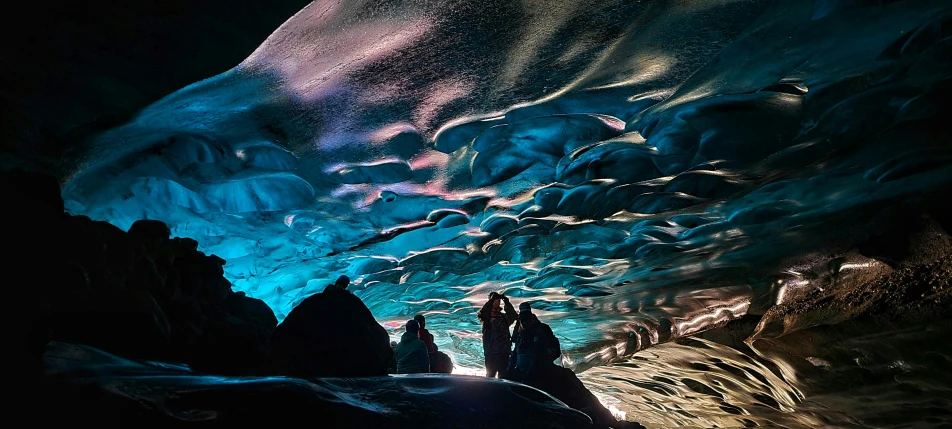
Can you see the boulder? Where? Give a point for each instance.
(330, 334)
(236, 339)
(251, 310)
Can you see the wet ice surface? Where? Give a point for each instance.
(697, 384)
(147, 394)
(858, 377)
(639, 171)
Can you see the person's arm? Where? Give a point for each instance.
(486, 312)
(510, 312)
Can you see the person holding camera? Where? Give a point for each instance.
(496, 336)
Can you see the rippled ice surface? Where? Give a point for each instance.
(697, 384)
(853, 377)
(639, 171)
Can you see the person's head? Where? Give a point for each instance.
(342, 282)
(393, 344)
(525, 307)
(413, 327)
(497, 306)
(527, 319)
(525, 313)
(420, 320)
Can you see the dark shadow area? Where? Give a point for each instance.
(75, 68)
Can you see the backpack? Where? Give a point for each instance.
(553, 349)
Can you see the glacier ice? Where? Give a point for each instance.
(639, 171)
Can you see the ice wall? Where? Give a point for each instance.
(639, 171)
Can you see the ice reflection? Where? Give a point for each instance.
(698, 384)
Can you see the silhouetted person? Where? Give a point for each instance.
(341, 284)
(535, 347)
(496, 337)
(425, 334)
(411, 354)
(392, 369)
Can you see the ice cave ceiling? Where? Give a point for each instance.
(638, 170)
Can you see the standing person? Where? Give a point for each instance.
(425, 334)
(535, 348)
(411, 354)
(496, 336)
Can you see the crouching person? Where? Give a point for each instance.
(411, 353)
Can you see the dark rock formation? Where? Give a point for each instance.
(139, 294)
(331, 334)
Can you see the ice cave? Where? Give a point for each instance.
(731, 213)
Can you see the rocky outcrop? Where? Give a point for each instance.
(331, 334)
(138, 294)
